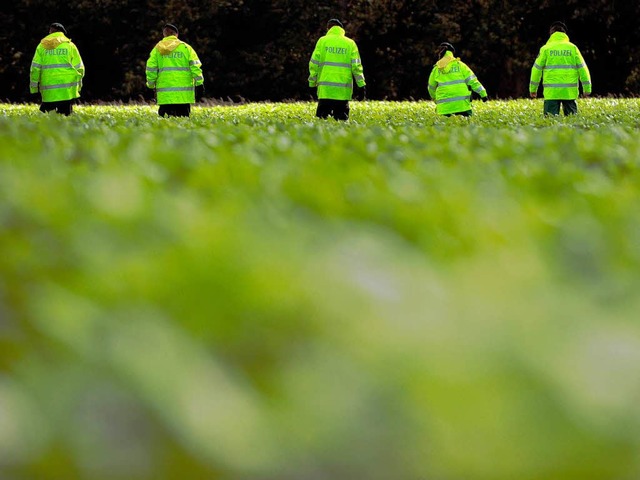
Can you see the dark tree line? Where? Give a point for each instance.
(259, 49)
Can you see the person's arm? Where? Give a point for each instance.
(433, 84)
(356, 66)
(35, 71)
(583, 72)
(196, 66)
(152, 69)
(472, 82)
(77, 63)
(314, 64)
(536, 74)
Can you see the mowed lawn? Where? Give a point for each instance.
(253, 293)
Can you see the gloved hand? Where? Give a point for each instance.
(199, 92)
(361, 93)
(484, 99)
(148, 94)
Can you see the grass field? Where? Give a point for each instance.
(253, 293)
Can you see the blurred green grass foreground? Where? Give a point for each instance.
(256, 294)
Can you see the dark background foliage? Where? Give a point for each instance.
(259, 50)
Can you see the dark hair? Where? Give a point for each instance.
(334, 21)
(444, 46)
(169, 26)
(558, 27)
(57, 27)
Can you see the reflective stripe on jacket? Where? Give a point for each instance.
(334, 64)
(57, 69)
(450, 83)
(173, 70)
(560, 66)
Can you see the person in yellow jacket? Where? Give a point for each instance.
(559, 66)
(174, 71)
(56, 71)
(334, 64)
(451, 82)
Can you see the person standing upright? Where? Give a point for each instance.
(334, 64)
(174, 71)
(450, 83)
(560, 67)
(56, 71)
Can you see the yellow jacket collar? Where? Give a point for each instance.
(336, 30)
(53, 40)
(558, 37)
(446, 60)
(168, 44)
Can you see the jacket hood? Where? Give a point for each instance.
(336, 30)
(558, 37)
(444, 62)
(168, 44)
(53, 41)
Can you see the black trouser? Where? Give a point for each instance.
(65, 107)
(175, 110)
(466, 113)
(552, 107)
(338, 109)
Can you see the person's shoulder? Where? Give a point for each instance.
(543, 50)
(546, 46)
(192, 50)
(351, 42)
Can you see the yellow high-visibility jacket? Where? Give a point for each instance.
(57, 69)
(173, 70)
(450, 85)
(334, 64)
(560, 65)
